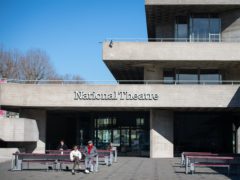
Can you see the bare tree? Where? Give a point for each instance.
(67, 79)
(36, 66)
(33, 66)
(9, 64)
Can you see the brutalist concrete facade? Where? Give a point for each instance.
(146, 63)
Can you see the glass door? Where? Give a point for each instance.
(116, 137)
(124, 140)
(104, 138)
(135, 144)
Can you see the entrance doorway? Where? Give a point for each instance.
(128, 131)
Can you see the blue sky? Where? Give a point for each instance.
(70, 30)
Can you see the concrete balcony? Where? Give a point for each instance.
(172, 51)
(191, 2)
(119, 96)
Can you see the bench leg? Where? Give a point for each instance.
(192, 168)
(21, 166)
(182, 159)
(13, 164)
(96, 165)
(46, 164)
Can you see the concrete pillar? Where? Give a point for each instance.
(161, 134)
(40, 116)
(238, 140)
(153, 73)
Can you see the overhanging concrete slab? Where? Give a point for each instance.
(192, 2)
(18, 130)
(168, 96)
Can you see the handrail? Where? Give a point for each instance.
(115, 82)
(172, 39)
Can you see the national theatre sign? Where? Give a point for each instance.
(115, 95)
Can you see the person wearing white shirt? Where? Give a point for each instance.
(75, 156)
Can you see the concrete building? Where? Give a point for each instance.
(177, 91)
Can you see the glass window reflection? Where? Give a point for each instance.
(198, 27)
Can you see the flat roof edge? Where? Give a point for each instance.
(191, 2)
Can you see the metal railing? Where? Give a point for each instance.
(116, 82)
(212, 38)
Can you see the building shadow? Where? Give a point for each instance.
(235, 101)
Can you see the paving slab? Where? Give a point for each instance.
(127, 168)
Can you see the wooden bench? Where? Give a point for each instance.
(193, 165)
(55, 160)
(47, 159)
(184, 154)
(105, 156)
(207, 161)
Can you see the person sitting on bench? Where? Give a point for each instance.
(75, 156)
(62, 146)
(90, 152)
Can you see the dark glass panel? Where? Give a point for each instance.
(209, 76)
(168, 76)
(187, 76)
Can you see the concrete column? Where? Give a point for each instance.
(153, 73)
(40, 116)
(238, 140)
(161, 134)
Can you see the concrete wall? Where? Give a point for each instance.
(18, 130)
(57, 95)
(231, 26)
(40, 117)
(9, 151)
(172, 51)
(153, 73)
(161, 134)
(6, 153)
(191, 2)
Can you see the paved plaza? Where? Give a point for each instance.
(127, 168)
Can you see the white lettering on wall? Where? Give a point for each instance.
(120, 95)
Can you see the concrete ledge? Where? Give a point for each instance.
(192, 2)
(171, 51)
(169, 96)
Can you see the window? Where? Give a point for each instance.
(205, 27)
(187, 76)
(181, 28)
(103, 122)
(140, 122)
(192, 76)
(208, 76)
(168, 76)
(199, 27)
